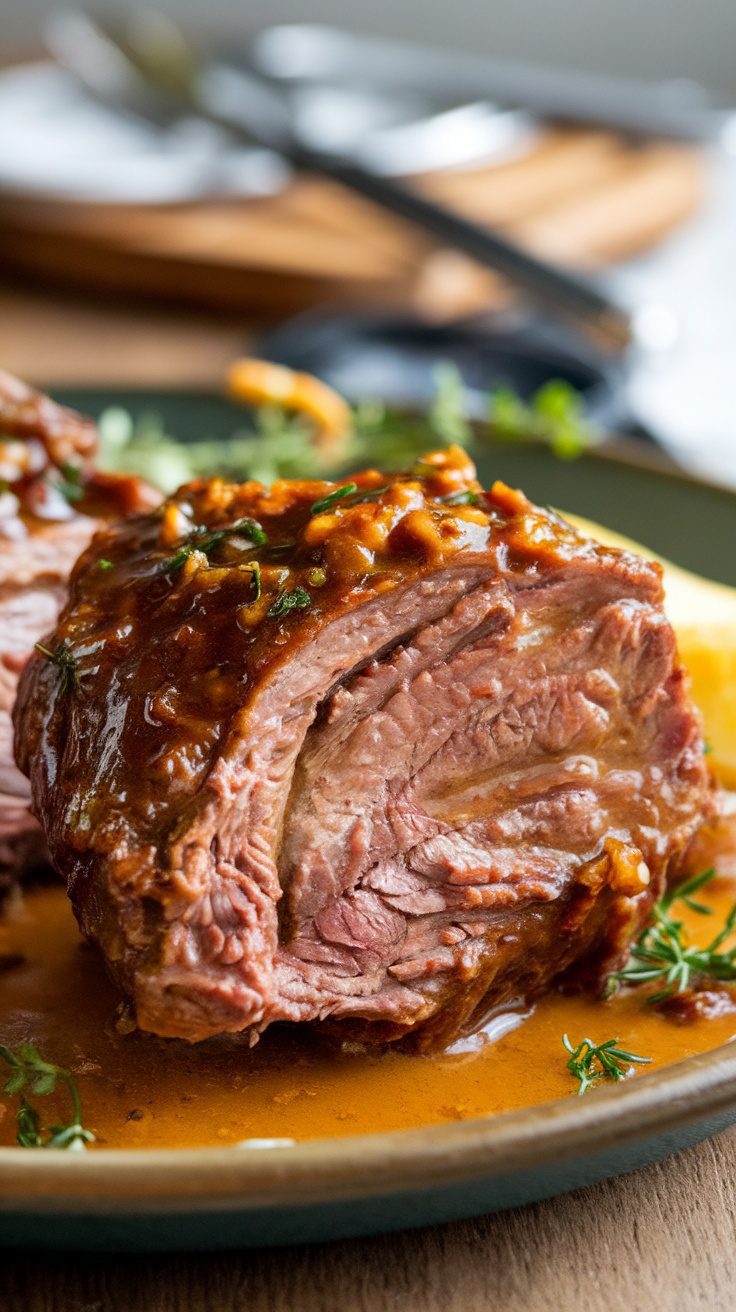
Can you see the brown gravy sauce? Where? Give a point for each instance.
(142, 1092)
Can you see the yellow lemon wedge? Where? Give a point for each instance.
(703, 615)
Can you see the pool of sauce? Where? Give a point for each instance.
(142, 1092)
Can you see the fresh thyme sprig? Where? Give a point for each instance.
(29, 1072)
(662, 952)
(591, 1062)
(297, 599)
(63, 658)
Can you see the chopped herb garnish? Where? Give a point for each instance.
(246, 528)
(201, 539)
(592, 1062)
(105, 564)
(662, 952)
(373, 495)
(175, 563)
(298, 599)
(255, 574)
(466, 498)
(70, 483)
(62, 657)
(326, 503)
(29, 1071)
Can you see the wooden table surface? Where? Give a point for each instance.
(662, 1239)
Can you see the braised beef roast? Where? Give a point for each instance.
(389, 752)
(51, 502)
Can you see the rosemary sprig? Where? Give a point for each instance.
(591, 1062)
(298, 599)
(62, 657)
(662, 952)
(201, 539)
(29, 1071)
(326, 503)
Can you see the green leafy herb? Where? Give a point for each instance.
(554, 415)
(275, 444)
(447, 413)
(373, 495)
(246, 528)
(466, 498)
(175, 563)
(62, 657)
(105, 564)
(201, 539)
(70, 483)
(592, 1062)
(662, 952)
(684, 893)
(298, 599)
(29, 1073)
(326, 503)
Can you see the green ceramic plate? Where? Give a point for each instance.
(235, 1197)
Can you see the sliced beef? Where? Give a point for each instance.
(51, 502)
(384, 754)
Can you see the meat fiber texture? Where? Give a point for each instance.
(391, 754)
(44, 447)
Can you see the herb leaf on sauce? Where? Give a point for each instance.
(591, 1062)
(62, 657)
(466, 498)
(70, 483)
(326, 503)
(201, 539)
(255, 574)
(298, 599)
(31, 1074)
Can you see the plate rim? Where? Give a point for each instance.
(354, 1167)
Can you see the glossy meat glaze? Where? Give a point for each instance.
(390, 752)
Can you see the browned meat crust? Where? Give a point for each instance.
(44, 448)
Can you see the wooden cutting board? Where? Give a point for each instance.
(585, 198)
